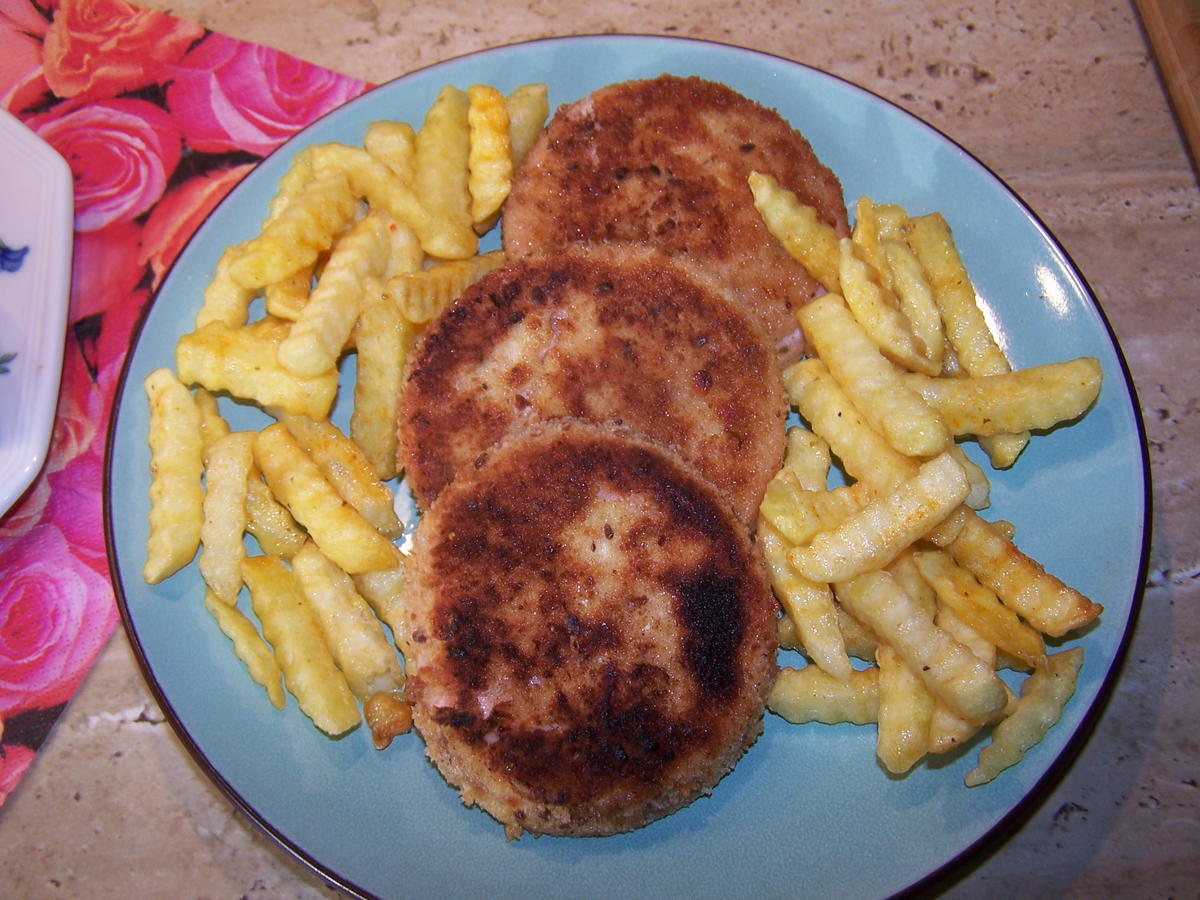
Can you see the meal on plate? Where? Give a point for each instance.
(618, 527)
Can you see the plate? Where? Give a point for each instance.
(36, 229)
(807, 811)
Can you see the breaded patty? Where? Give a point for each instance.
(605, 333)
(666, 161)
(592, 632)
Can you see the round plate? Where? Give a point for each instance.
(807, 811)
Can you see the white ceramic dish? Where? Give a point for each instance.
(36, 229)
(807, 812)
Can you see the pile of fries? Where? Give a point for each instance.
(361, 247)
(896, 567)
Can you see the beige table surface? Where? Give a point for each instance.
(1061, 99)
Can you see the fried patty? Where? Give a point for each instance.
(665, 161)
(592, 632)
(606, 333)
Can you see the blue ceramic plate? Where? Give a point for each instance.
(807, 812)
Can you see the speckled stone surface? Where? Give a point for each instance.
(1061, 99)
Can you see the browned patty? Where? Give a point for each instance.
(592, 632)
(666, 161)
(604, 333)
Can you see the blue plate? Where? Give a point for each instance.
(807, 812)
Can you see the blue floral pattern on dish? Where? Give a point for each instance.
(10, 261)
(11, 257)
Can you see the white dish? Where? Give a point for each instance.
(808, 811)
(36, 230)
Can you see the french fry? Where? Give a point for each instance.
(393, 144)
(285, 298)
(248, 646)
(528, 106)
(865, 454)
(309, 672)
(1044, 601)
(351, 631)
(228, 464)
(980, 496)
(1038, 397)
(905, 712)
(269, 521)
(807, 239)
(489, 158)
(950, 671)
(442, 161)
(244, 362)
(212, 423)
(975, 347)
(916, 302)
(176, 463)
(338, 529)
(383, 589)
(384, 191)
(345, 466)
(812, 695)
(875, 385)
(878, 311)
(301, 231)
(422, 295)
(323, 326)
(876, 534)
(807, 456)
(405, 254)
(383, 338)
(1044, 694)
(980, 608)
(808, 604)
(225, 300)
(866, 240)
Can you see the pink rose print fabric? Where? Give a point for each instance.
(158, 119)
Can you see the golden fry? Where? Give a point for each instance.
(225, 300)
(489, 160)
(808, 604)
(422, 295)
(351, 631)
(347, 468)
(338, 529)
(528, 106)
(1044, 694)
(228, 464)
(176, 463)
(812, 695)
(394, 144)
(245, 363)
(441, 168)
(383, 338)
(1038, 397)
(308, 668)
(248, 646)
(873, 537)
(905, 713)
(807, 239)
(301, 231)
(324, 323)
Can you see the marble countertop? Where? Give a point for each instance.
(1062, 100)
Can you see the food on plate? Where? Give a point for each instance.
(176, 463)
(605, 333)
(618, 526)
(592, 635)
(665, 161)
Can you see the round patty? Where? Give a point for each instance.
(592, 632)
(608, 333)
(666, 161)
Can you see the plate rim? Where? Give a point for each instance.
(953, 869)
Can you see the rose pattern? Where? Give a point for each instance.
(158, 119)
(121, 153)
(249, 97)
(101, 48)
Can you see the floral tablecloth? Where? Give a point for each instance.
(158, 119)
